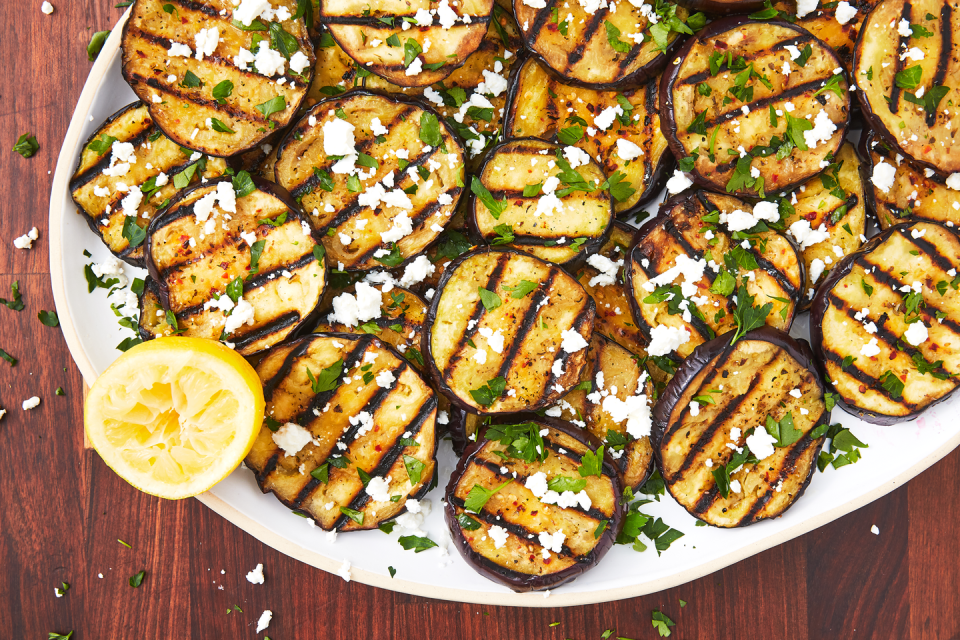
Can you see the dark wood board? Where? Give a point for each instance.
(62, 510)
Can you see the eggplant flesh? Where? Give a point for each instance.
(186, 90)
(400, 44)
(869, 317)
(542, 106)
(913, 193)
(903, 79)
(580, 46)
(496, 331)
(835, 200)
(100, 190)
(824, 24)
(395, 197)
(378, 418)
(756, 378)
(504, 539)
(547, 223)
(751, 118)
(257, 261)
(613, 371)
(688, 230)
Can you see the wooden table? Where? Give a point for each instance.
(63, 509)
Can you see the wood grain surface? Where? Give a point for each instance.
(63, 509)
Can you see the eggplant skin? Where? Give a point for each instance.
(694, 372)
(729, 128)
(822, 304)
(537, 106)
(515, 580)
(916, 193)
(524, 400)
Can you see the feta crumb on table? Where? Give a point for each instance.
(256, 576)
(30, 403)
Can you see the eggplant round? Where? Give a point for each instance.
(613, 402)
(214, 101)
(610, 47)
(393, 200)
(689, 237)
(760, 126)
(869, 317)
(496, 331)
(902, 69)
(832, 203)
(205, 260)
(520, 537)
(561, 220)
(101, 185)
(631, 144)
(410, 47)
(314, 444)
(720, 405)
(913, 192)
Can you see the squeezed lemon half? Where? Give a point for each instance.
(174, 416)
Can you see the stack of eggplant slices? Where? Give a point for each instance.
(427, 218)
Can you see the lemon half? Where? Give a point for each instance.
(174, 416)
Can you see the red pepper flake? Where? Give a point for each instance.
(378, 448)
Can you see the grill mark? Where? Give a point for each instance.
(520, 479)
(864, 378)
(788, 465)
(678, 237)
(200, 101)
(763, 103)
(528, 321)
(229, 243)
(707, 436)
(528, 536)
(199, 7)
(700, 76)
(706, 501)
(586, 36)
(282, 373)
(850, 203)
(630, 57)
(539, 20)
(884, 277)
(350, 434)
(521, 149)
(577, 323)
(946, 50)
(525, 240)
(642, 325)
(389, 458)
(309, 185)
(928, 248)
(348, 212)
(775, 273)
(264, 331)
(104, 162)
(374, 21)
(478, 310)
(894, 104)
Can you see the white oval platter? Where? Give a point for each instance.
(895, 454)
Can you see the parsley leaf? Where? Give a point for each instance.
(27, 145)
(563, 483)
(489, 392)
(495, 207)
(662, 624)
(613, 37)
(747, 316)
(783, 432)
(328, 380)
(417, 543)
(591, 463)
(479, 496)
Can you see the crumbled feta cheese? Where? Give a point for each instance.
(46, 7)
(179, 50)
(379, 490)
(291, 438)
(26, 240)
(806, 6)
(870, 349)
(255, 576)
(806, 236)
(417, 271)
(627, 150)
(605, 118)
(665, 339)
(816, 269)
(760, 443)
(845, 12)
(679, 181)
(344, 571)
(572, 341)
(551, 542)
(823, 130)
(31, 403)
(385, 379)
(207, 41)
(875, 530)
(498, 534)
(953, 181)
(916, 333)
(243, 313)
(269, 62)
(608, 270)
(264, 620)
(338, 138)
(351, 310)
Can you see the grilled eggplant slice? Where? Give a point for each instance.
(623, 423)
(834, 199)
(824, 23)
(686, 268)
(101, 186)
(538, 197)
(630, 144)
(402, 314)
(153, 320)
(205, 89)
(247, 270)
(520, 536)
(412, 46)
(912, 193)
(335, 72)
(612, 46)
(885, 325)
(903, 79)
(349, 432)
(729, 404)
(507, 332)
(391, 197)
(745, 115)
